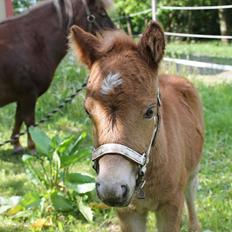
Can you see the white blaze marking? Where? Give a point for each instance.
(112, 81)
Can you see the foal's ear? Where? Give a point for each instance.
(85, 45)
(152, 44)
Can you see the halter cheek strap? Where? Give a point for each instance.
(91, 19)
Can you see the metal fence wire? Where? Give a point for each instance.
(49, 115)
(185, 62)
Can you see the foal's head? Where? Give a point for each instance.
(121, 102)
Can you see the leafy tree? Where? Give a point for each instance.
(126, 7)
(198, 22)
(21, 5)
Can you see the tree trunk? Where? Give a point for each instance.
(224, 26)
(129, 26)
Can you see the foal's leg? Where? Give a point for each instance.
(18, 123)
(132, 221)
(169, 215)
(190, 194)
(28, 115)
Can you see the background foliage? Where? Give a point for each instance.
(197, 22)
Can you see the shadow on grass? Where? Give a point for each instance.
(9, 156)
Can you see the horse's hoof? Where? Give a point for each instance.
(32, 151)
(18, 150)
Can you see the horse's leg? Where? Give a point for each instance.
(169, 215)
(28, 114)
(18, 123)
(190, 194)
(132, 221)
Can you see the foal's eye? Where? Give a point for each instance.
(149, 113)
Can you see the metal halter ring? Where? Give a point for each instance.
(91, 18)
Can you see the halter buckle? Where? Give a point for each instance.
(91, 18)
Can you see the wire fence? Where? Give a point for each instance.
(196, 7)
(198, 35)
(192, 63)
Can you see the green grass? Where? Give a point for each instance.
(214, 199)
(213, 52)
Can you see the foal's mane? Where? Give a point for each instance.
(116, 41)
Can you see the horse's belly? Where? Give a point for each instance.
(4, 100)
(6, 96)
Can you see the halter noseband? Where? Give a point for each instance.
(141, 159)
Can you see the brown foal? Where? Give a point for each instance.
(142, 123)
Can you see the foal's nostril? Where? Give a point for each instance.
(97, 186)
(124, 190)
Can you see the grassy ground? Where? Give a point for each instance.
(213, 52)
(214, 200)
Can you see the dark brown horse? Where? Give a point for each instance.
(32, 46)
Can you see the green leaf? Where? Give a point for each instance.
(82, 188)
(64, 145)
(28, 158)
(80, 183)
(77, 142)
(40, 139)
(72, 159)
(56, 159)
(29, 162)
(79, 178)
(55, 141)
(8, 203)
(14, 211)
(31, 200)
(60, 203)
(85, 211)
(66, 161)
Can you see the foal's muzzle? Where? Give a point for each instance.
(130, 154)
(116, 195)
